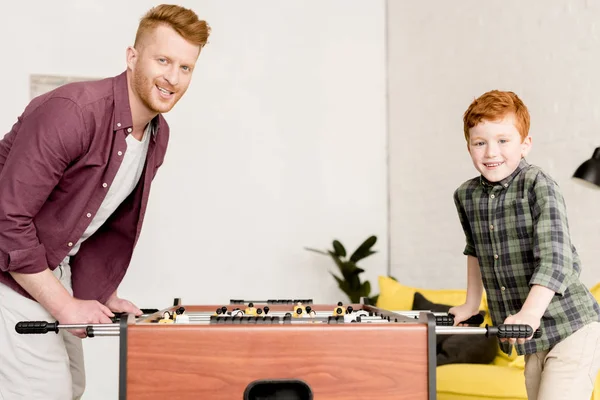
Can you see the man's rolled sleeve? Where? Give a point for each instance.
(27, 261)
(552, 244)
(42, 144)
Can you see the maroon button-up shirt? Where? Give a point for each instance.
(56, 166)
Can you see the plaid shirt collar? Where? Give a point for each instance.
(487, 185)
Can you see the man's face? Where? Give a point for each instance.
(162, 68)
(496, 147)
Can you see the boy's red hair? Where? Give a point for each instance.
(495, 105)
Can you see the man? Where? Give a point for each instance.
(75, 175)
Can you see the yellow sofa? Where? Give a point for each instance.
(501, 380)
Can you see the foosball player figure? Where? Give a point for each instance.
(181, 317)
(266, 309)
(339, 310)
(166, 319)
(250, 310)
(310, 313)
(236, 312)
(221, 311)
(299, 310)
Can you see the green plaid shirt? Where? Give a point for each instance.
(518, 230)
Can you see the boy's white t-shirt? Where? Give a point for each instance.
(125, 181)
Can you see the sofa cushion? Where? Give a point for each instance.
(395, 296)
(420, 302)
(451, 349)
(595, 291)
(480, 382)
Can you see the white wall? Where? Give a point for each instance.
(280, 143)
(442, 55)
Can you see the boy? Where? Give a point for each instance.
(75, 175)
(518, 248)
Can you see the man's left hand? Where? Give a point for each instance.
(117, 304)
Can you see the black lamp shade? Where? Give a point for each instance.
(590, 170)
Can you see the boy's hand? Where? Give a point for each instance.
(462, 313)
(522, 318)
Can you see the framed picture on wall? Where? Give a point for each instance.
(40, 84)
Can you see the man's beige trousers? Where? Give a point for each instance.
(38, 366)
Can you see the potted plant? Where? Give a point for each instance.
(350, 282)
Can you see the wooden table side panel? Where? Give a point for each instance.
(336, 361)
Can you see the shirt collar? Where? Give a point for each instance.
(122, 118)
(506, 181)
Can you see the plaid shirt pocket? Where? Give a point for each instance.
(518, 219)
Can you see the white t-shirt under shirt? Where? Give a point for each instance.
(125, 181)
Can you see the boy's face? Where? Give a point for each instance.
(496, 147)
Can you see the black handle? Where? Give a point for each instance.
(145, 311)
(25, 327)
(476, 319)
(510, 331)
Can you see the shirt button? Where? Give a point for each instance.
(129, 130)
(503, 288)
(120, 153)
(104, 184)
(506, 185)
(491, 227)
(119, 124)
(496, 256)
(70, 244)
(88, 215)
(492, 196)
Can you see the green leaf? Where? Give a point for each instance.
(373, 300)
(339, 248)
(339, 281)
(364, 250)
(354, 283)
(343, 285)
(338, 262)
(366, 289)
(316, 251)
(350, 271)
(357, 270)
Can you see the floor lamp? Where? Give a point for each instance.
(589, 171)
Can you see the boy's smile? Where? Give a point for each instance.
(496, 147)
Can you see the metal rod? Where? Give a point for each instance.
(84, 326)
(106, 333)
(463, 330)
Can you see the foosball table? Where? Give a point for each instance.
(278, 349)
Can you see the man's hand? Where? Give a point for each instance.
(522, 318)
(116, 304)
(52, 295)
(83, 312)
